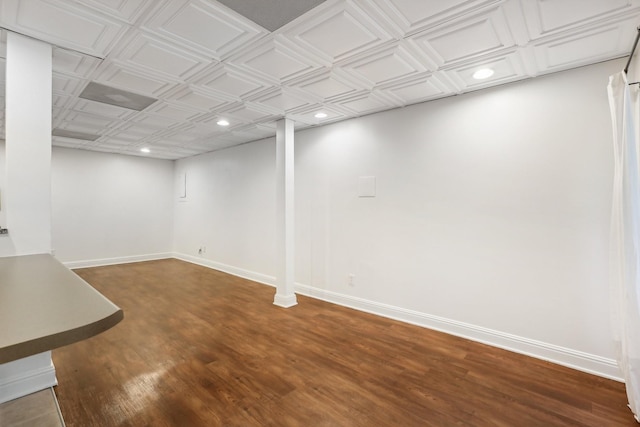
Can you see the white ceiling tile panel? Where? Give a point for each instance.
(231, 84)
(90, 121)
(545, 17)
(64, 84)
(115, 142)
(252, 133)
(126, 10)
(247, 113)
(101, 109)
(204, 26)
(384, 66)
(481, 35)
(156, 56)
(337, 32)
(156, 120)
(200, 146)
(277, 64)
(328, 85)
(73, 63)
(176, 137)
(368, 104)
(134, 131)
(202, 130)
(60, 107)
(176, 112)
(62, 23)
(195, 98)
(581, 48)
(281, 101)
(418, 90)
(411, 16)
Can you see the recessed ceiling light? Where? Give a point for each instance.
(320, 115)
(145, 150)
(223, 122)
(483, 73)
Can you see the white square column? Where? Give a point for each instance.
(285, 213)
(27, 192)
(27, 196)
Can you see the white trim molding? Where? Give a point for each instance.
(590, 363)
(235, 271)
(25, 376)
(118, 260)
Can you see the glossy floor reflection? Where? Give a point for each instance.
(198, 347)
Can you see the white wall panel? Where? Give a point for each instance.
(229, 208)
(110, 206)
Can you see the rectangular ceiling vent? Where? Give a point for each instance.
(118, 97)
(271, 14)
(64, 133)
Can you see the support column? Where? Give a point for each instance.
(27, 194)
(285, 257)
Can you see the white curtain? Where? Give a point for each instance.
(625, 232)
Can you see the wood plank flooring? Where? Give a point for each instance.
(198, 347)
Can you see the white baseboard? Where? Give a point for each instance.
(593, 364)
(118, 260)
(25, 376)
(596, 365)
(245, 274)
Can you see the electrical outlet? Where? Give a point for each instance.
(351, 279)
(4, 230)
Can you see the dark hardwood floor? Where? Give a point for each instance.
(198, 347)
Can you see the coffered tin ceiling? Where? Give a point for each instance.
(203, 62)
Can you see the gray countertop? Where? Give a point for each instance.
(44, 305)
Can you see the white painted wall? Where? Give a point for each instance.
(491, 217)
(229, 209)
(110, 208)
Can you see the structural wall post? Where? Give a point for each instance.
(26, 198)
(285, 214)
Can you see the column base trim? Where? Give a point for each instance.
(285, 301)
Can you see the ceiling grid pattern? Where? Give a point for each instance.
(204, 62)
